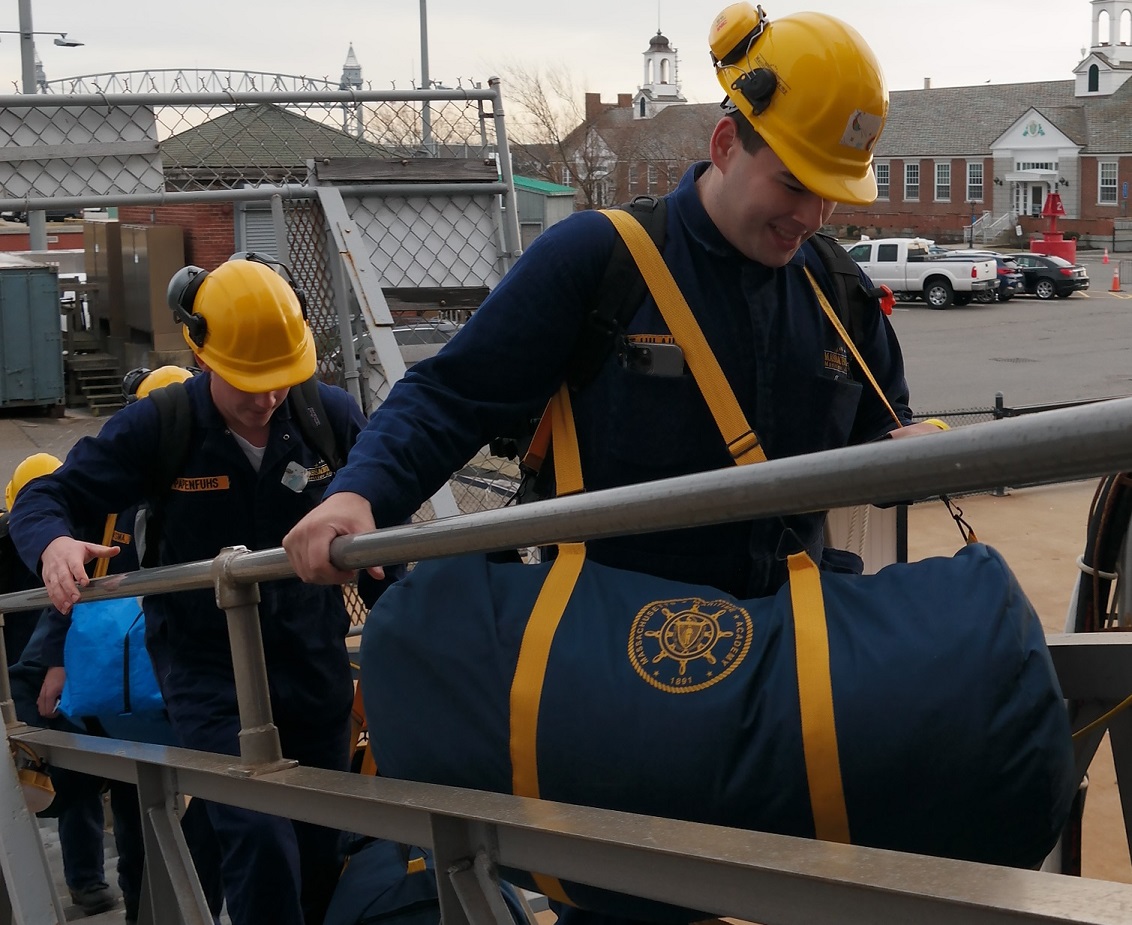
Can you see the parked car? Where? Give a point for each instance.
(1047, 276)
(1010, 278)
(53, 215)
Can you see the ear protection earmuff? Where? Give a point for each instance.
(181, 294)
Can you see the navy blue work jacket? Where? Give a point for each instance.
(219, 500)
(780, 354)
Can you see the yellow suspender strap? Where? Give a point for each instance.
(844, 335)
(815, 699)
(534, 651)
(742, 442)
(102, 566)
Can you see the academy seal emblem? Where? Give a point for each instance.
(688, 644)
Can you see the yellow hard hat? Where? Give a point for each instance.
(31, 468)
(247, 323)
(812, 88)
(151, 380)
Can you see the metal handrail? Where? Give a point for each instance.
(753, 876)
(1059, 445)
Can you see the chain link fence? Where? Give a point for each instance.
(424, 176)
(121, 144)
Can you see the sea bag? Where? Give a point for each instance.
(916, 709)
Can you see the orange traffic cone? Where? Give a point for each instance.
(1105, 260)
(1115, 278)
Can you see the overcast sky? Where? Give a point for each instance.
(955, 43)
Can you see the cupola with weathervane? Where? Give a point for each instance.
(660, 87)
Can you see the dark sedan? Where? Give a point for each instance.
(1010, 281)
(1047, 276)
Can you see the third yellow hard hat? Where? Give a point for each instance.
(159, 378)
(812, 88)
(31, 468)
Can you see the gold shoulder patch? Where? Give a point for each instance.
(202, 483)
(686, 645)
(120, 537)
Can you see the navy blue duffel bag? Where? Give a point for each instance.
(925, 701)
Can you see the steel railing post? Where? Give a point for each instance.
(170, 882)
(7, 705)
(467, 881)
(259, 738)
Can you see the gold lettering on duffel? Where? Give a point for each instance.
(202, 483)
(688, 644)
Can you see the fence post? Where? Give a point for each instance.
(999, 414)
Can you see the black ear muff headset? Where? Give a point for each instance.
(186, 282)
(132, 380)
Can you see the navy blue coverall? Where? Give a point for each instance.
(219, 500)
(781, 356)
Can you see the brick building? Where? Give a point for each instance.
(948, 157)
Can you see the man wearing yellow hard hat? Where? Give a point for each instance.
(250, 470)
(805, 103)
(14, 576)
(36, 676)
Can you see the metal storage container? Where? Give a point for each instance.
(31, 338)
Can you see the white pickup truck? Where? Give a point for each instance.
(907, 267)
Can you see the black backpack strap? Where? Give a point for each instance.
(310, 416)
(851, 300)
(620, 294)
(174, 438)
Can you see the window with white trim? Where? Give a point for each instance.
(652, 177)
(882, 175)
(911, 182)
(943, 181)
(975, 182)
(1106, 183)
(632, 178)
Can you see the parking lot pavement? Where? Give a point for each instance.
(25, 432)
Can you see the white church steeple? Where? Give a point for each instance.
(1108, 63)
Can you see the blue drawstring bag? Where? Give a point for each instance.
(109, 674)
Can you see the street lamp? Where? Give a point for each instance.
(60, 37)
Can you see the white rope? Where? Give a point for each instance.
(1089, 570)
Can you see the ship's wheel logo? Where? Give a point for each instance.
(688, 644)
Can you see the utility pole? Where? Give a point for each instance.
(37, 221)
(426, 84)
